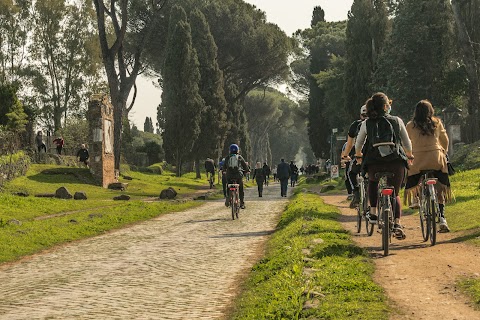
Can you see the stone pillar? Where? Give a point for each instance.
(100, 137)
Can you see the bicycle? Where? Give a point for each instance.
(386, 209)
(234, 197)
(363, 208)
(429, 210)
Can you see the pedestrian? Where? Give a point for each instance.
(39, 141)
(274, 172)
(266, 172)
(259, 177)
(83, 155)
(60, 143)
(283, 174)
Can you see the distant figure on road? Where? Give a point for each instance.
(259, 176)
(283, 174)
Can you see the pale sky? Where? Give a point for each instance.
(287, 14)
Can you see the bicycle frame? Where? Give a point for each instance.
(385, 210)
(234, 196)
(429, 210)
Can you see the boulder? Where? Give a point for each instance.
(118, 186)
(63, 193)
(127, 178)
(124, 197)
(80, 195)
(168, 193)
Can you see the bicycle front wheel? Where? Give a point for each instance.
(359, 218)
(424, 220)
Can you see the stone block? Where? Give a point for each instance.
(168, 193)
(63, 193)
(124, 197)
(118, 186)
(80, 195)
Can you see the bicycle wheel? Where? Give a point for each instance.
(237, 206)
(424, 221)
(385, 212)
(359, 219)
(232, 204)
(433, 223)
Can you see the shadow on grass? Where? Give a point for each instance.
(245, 234)
(64, 175)
(465, 198)
(473, 234)
(348, 250)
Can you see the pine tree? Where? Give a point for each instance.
(181, 104)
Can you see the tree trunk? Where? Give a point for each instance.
(197, 169)
(473, 121)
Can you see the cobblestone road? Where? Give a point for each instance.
(179, 266)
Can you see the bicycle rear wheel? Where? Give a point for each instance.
(232, 204)
(433, 223)
(424, 220)
(359, 219)
(386, 227)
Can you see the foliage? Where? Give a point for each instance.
(311, 258)
(148, 125)
(75, 133)
(418, 55)
(12, 114)
(472, 288)
(182, 104)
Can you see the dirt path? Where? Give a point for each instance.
(184, 265)
(419, 279)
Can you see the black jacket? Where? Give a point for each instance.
(283, 171)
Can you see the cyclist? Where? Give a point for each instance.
(381, 156)
(234, 167)
(210, 168)
(348, 154)
(430, 146)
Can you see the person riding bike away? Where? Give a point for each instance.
(388, 149)
(348, 155)
(430, 146)
(210, 168)
(234, 167)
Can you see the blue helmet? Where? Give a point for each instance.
(233, 148)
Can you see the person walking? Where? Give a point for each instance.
(83, 155)
(429, 147)
(259, 177)
(266, 173)
(283, 174)
(39, 142)
(59, 142)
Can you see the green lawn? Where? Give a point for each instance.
(30, 224)
(311, 261)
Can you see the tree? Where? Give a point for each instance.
(213, 123)
(148, 125)
(417, 59)
(365, 36)
(317, 16)
(65, 68)
(465, 13)
(182, 104)
(12, 114)
(121, 65)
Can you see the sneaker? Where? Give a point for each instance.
(350, 197)
(242, 205)
(398, 231)
(355, 201)
(372, 218)
(227, 202)
(443, 225)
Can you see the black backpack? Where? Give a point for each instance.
(384, 140)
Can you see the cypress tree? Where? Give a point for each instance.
(213, 121)
(181, 106)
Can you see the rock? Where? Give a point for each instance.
(169, 193)
(127, 178)
(80, 195)
(63, 193)
(21, 194)
(200, 198)
(15, 222)
(118, 186)
(124, 197)
(45, 195)
(72, 221)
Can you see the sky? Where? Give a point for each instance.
(289, 15)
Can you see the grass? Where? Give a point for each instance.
(311, 261)
(472, 288)
(30, 224)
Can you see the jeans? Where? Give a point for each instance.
(283, 186)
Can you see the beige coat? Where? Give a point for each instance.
(429, 150)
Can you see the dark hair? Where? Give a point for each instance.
(375, 105)
(423, 118)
